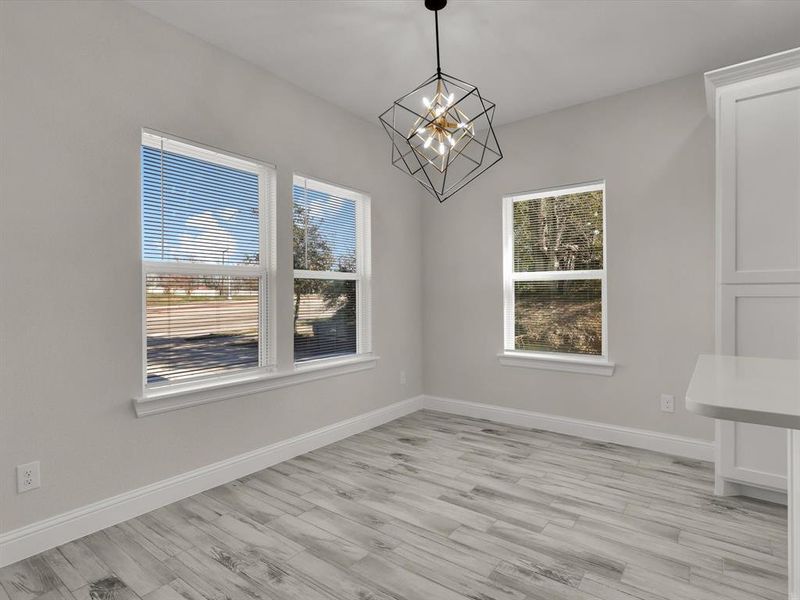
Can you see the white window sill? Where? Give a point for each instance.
(169, 398)
(558, 362)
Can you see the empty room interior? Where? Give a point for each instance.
(399, 300)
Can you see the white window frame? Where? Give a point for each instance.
(362, 275)
(558, 361)
(265, 270)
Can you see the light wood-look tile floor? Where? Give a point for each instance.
(436, 507)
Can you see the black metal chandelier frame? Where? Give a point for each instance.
(412, 155)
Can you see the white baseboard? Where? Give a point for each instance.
(31, 539)
(626, 436)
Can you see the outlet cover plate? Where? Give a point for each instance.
(28, 477)
(668, 403)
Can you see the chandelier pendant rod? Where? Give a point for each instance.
(438, 62)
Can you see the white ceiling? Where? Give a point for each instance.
(528, 56)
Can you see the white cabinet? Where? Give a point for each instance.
(757, 111)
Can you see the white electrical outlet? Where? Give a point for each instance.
(402, 377)
(667, 403)
(28, 477)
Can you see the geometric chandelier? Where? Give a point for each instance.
(441, 131)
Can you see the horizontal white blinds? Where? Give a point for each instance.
(324, 219)
(325, 318)
(328, 276)
(556, 276)
(198, 211)
(559, 233)
(205, 276)
(201, 325)
(559, 316)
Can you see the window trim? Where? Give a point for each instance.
(265, 270)
(560, 361)
(195, 393)
(571, 363)
(362, 275)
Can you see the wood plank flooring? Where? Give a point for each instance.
(436, 507)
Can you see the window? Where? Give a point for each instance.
(331, 271)
(206, 262)
(554, 273)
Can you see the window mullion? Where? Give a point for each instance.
(182, 268)
(339, 275)
(556, 275)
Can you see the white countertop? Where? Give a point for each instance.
(765, 391)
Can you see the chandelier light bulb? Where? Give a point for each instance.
(441, 148)
(428, 142)
(426, 102)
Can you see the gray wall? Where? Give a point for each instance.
(79, 81)
(654, 148)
